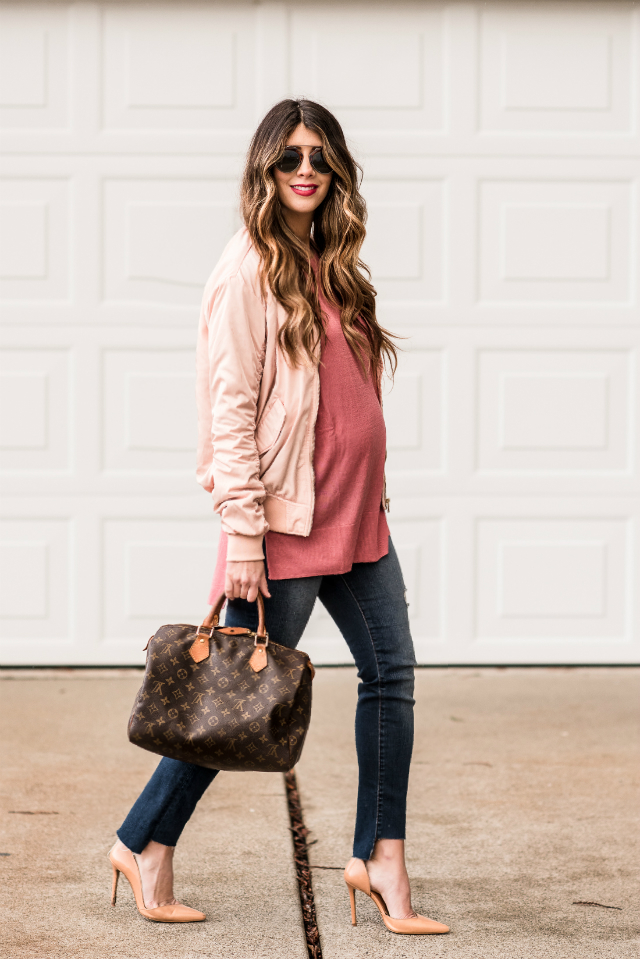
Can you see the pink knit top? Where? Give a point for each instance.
(349, 522)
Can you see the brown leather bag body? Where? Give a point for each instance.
(224, 698)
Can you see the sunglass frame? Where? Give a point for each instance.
(312, 156)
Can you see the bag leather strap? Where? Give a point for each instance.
(212, 619)
(200, 648)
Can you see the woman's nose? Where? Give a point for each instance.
(305, 168)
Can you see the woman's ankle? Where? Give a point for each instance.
(388, 852)
(156, 853)
(156, 871)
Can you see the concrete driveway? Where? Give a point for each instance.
(523, 802)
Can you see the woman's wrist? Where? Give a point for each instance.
(242, 547)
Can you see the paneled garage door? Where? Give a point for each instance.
(500, 147)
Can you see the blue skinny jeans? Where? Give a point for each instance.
(369, 606)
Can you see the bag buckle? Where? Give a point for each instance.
(201, 629)
(258, 659)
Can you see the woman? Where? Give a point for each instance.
(292, 447)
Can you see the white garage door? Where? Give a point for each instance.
(500, 144)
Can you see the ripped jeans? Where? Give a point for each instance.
(368, 604)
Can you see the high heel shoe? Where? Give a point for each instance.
(128, 864)
(357, 877)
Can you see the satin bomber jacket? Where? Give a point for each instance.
(256, 413)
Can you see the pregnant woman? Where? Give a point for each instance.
(292, 447)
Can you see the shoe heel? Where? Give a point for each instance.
(352, 897)
(114, 886)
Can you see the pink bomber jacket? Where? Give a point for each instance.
(256, 413)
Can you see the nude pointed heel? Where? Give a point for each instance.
(352, 896)
(357, 877)
(114, 886)
(125, 862)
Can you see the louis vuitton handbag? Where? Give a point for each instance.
(223, 697)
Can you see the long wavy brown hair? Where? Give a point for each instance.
(337, 235)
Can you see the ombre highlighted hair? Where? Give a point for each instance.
(337, 235)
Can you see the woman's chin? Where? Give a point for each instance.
(303, 204)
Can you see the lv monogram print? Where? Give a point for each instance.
(219, 713)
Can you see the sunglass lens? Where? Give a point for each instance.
(319, 163)
(288, 162)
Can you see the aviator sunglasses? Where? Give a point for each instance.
(292, 157)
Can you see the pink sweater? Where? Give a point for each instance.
(349, 523)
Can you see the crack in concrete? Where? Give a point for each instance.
(299, 833)
(600, 904)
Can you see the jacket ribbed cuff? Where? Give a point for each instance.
(240, 547)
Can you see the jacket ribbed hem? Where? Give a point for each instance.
(240, 547)
(283, 516)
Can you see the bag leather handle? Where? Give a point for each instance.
(212, 618)
(200, 648)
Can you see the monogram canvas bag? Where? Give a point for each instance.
(223, 697)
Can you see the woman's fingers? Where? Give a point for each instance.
(228, 585)
(234, 588)
(264, 589)
(244, 579)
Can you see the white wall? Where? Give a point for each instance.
(500, 144)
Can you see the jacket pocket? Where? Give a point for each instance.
(270, 426)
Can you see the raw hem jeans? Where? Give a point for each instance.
(368, 604)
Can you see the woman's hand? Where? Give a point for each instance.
(244, 579)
